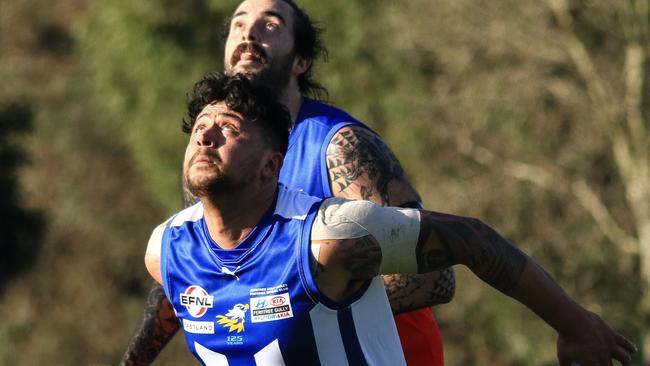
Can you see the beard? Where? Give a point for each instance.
(215, 185)
(214, 181)
(274, 74)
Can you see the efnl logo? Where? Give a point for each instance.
(196, 300)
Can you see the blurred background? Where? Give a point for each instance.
(532, 115)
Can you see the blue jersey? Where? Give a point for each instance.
(258, 304)
(305, 165)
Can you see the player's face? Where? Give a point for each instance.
(260, 42)
(224, 152)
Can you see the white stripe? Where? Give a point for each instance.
(270, 355)
(192, 213)
(376, 328)
(293, 204)
(154, 246)
(210, 358)
(327, 334)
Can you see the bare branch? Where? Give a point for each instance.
(594, 205)
(597, 89)
(634, 59)
(557, 182)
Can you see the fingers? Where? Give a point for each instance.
(625, 343)
(622, 355)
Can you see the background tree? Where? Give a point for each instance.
(542, 109)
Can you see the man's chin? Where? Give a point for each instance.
(249, 70)
(211, 187)
(199, 186)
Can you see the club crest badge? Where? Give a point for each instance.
(234, 319)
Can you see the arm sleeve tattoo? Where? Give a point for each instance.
(159, 322)
(157, 327)
(461, 240)
(409, 292)
(362, 166)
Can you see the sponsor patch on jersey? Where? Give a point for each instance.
(275, 304)
(196, 300)
(195, 327)
(234, 319)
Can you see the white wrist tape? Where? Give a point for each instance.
(395, 229)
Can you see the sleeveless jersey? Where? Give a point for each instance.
(305, 168)
(258, 304)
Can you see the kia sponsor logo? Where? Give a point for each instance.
(277, 301)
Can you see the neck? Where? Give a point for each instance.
(291, 98)
(231, 216)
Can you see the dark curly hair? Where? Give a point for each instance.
(308, 45)
(255, 103)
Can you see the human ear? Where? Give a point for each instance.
(272, 164)
(301, 65)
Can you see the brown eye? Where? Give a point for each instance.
(272, 26)
(237, 26)
(229, 128)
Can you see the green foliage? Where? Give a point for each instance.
(149, 55)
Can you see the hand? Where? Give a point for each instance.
(591, 342)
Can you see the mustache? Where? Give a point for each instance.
(251, 47)
(205, 153)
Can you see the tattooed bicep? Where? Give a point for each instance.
(362, 166)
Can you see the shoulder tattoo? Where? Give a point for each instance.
(358, 160)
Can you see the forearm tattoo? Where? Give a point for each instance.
(158, 326)
(159, 322)
(411, 292)
(469, 241)
(360, 257)
(357, 156)
(363, 257)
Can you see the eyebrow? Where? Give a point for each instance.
(231, 115)
(226, 114)
(268, 13)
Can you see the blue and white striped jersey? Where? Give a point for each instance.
(258, 304)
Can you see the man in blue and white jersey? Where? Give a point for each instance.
(260, 274)
(330, 154)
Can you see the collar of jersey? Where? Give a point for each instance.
(246, 246)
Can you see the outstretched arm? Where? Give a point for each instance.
(362, 166)
(157, 327)
(583, 336)
(358, 240)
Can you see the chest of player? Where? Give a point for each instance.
(240, 319)
(242, 306)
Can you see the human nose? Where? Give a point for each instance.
(251, 32)
(209, 136)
